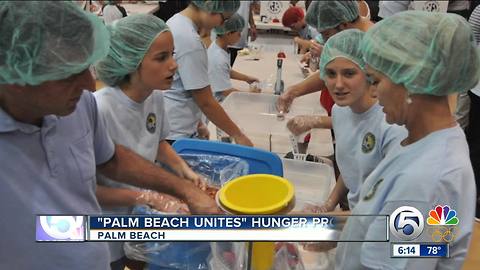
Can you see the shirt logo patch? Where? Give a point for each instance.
(368, 143)
(151, 123)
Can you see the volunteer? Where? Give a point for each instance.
(413, 73)
(191, 94)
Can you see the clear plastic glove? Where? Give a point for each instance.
(162, 202)
(306, 57)
(315, 48)
(186, 172)
(251, 80)
(302, 123)
(243, 140)
(284, 102)
(202, 131)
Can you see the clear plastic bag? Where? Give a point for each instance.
(168, 255)
(216, 169)
(186, 255)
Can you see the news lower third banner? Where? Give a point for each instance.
(196, 228)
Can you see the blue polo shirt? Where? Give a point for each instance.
(50, 170)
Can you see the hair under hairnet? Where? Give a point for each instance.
(429, 53)
(217, 6)
(54, 42)
(324, 15)
(233, 24)
(345, 44)
(131, 37)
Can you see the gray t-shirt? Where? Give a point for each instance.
(362, 141)
(137, 126)
(219, 70)
(192, 74)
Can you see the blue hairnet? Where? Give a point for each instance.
(429, 53)
(345, 44)
(47, 40)
(217, 6)
(324, 15)
(233, 24)
(131, 37)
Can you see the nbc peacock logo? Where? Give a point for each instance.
(442, 215)
(442, 223)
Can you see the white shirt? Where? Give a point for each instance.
(111, 13)
(192, 74)
(137, 126)
(219, 70)
(362, 141)
(433, 171)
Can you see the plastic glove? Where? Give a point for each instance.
(201, 203)
(162, 202)
(243, 140)
(306, 57)
(284, 102)
(186, 172)
(315, 48)
(251, 80)
(202, 131)
(302, 123)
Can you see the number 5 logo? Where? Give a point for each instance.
(406, 223)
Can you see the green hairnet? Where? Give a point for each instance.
(54, 42)
(345, 44)
(429, 53)
(324, 15)
(234, 24)
(217, 6)
(319, 39)
(131, 37)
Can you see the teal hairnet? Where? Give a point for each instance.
(345, 44)
(217, 6)
(324, 15)
(319, 39)
(429, 53)
(131, 37)
(47, 40)
(234, 24)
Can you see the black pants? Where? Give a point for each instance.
(233, 55)
(473, 138)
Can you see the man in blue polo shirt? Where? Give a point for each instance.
(52, 139)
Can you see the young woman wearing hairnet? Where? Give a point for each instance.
(416, 59)
(190, 94)
(219, 69)
(140, 62)
(329, 18)
(362, 136)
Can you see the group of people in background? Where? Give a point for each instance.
(66, 150)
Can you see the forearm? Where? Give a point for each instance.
(303, 43)
(238, 76)
(215, 113)
(167, 155)
(324, 122)
(116, 197)
(311, 84)
(128, 167)
(228, 91)
(338, 191)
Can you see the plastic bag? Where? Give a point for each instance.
(216, 169)
(168, 255)
(186, 255)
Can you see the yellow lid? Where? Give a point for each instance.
(256, 194)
